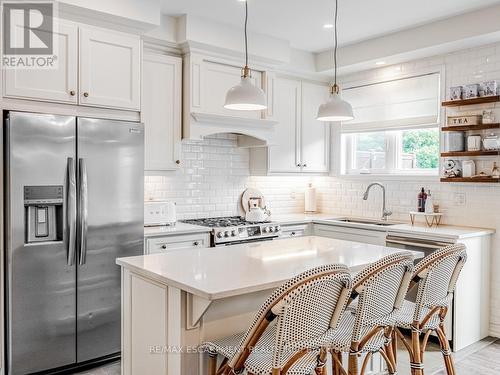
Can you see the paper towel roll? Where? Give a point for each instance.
(310, 199)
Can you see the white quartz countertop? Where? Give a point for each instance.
(177, 228)
(222, 272)
(442, 232)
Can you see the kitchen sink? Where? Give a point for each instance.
(381, 223)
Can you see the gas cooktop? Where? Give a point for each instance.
(234, 229)
(219, 222)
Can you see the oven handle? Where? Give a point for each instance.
(416, 243)
(246, 241)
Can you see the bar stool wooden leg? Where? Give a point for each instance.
(212, 363)
(416, 364)
(353, 359)
(445, 349)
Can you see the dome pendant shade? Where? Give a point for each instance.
(245, 97)
(335, 109)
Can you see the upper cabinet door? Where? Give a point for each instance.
(315, 135)
(216, 79)
(161, 111)
(110, 69)
(55, 85)
(284, 157)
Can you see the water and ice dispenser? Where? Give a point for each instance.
(43, 213)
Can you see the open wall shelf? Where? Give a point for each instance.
(470, 153)
(465, 128)
(482, 100)
(484, 180)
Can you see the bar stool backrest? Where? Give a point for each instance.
(381, 288)
(304, 307)
(437, 276)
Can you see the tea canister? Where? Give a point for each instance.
(474, 142)
(491, 142)
(489, 88)
(456, 93)
(471, 91)
(454, 141)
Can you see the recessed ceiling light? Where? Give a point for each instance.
(328, 26)
(380, 63)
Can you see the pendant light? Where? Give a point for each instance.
(245, 96)
(335, 109)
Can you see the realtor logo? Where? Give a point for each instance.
(28, 34)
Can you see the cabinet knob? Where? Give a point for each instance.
(86, 94)
(299, 165)
(164, 247)
(177, 162)
(196, 243)
(72, 93)
(293, 234)
(304, 165)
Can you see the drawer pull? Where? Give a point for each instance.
(196, 243)
(293, 234)
(164, 247)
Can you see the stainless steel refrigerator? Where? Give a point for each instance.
(73, 204)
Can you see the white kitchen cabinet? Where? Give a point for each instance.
(284, 156)
(55, 85)
(95, 67)
(162, 111)
(314, 134)
(159, 245)
(373, 237)
(295, 230)
(302, 144)
(110, 69)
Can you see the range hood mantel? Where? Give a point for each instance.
(204, 124)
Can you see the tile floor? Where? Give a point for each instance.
(482, 358)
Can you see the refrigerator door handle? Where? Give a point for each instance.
(71, 211)
(83, 211)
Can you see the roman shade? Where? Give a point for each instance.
(405, 103)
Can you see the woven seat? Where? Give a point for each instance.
(405, 317)
(436, 277)
(290, 329)
(367, 324)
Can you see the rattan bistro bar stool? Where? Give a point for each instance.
(436, 276)
(289, 329)
(366, 326)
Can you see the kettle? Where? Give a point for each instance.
(256, 212)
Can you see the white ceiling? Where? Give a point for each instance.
(301, 21)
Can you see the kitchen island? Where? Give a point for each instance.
(172, 302)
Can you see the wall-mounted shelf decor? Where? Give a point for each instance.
(465, 128)
(481, 100)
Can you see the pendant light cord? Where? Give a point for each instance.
(335, 46)
(246, 36)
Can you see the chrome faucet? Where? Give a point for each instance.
(385, 211)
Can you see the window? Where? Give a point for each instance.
(413, 151)
(396, 127)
